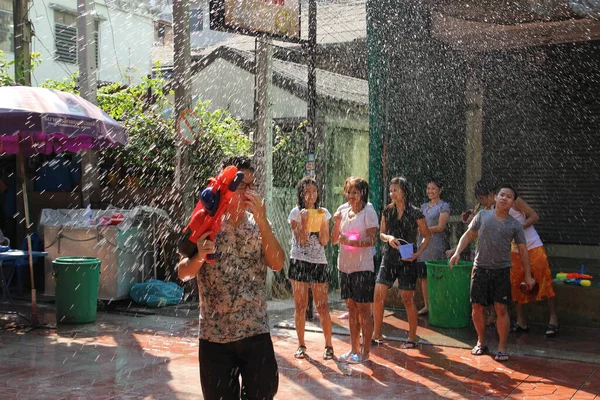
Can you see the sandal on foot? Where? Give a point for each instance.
(354, 359)
(349, 357)
(551, 330)
(301, 352)
(500, 356)
(328, 355)
(377, 341)
(409, 345)
(423, 311)
(479, 350)
(516, 328)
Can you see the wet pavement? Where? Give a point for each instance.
(135, 354)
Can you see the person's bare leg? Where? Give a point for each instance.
(309, 308)
(425, 308)
(521, 315)
(478, 314)
(502, 325)
(321, 303)
(301, 302)
(366, 325)
(552, 311)
(354, 325)
(408, 298)
(381, 291)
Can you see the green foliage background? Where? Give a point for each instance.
(151, 150)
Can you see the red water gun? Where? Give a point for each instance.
(209, 210)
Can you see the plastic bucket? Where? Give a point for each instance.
(76, 289)
(406, 250)
(449, 293)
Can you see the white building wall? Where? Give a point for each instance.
(232, 88)
(125, 42)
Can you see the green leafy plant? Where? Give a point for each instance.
(6, 78)
(150, 154)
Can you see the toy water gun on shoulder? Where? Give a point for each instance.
(209, 210)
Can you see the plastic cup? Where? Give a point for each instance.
(315, 219)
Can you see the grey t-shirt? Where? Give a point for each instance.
(495, 237)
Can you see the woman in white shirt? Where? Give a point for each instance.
(308, 264)
(355, 229)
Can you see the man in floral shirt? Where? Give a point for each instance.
(234, 327)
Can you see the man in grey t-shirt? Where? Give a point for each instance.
(490, 280)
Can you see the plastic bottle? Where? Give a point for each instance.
(89, 215)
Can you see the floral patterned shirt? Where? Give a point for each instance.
(233, 300)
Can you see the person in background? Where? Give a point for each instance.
(490, 280)
(355, 230)
(540, 270)
(436, 212)
(485, 194)
(400, 224)
(308, 264)
(234, 336)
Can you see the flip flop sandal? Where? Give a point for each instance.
(501, 357)
(328, 355)
(479, 350)
(301, 352)
(377, 341)
(516, 328)
(552, 330)
(409, 345)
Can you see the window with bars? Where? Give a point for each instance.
(6, 26)
(65, 34)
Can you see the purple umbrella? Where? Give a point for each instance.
(43, 121)
(37, 120)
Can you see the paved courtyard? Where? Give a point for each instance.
(129, 356)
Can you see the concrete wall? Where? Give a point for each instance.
(231, 88)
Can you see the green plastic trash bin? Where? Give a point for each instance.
(449, 300)
(76, 289)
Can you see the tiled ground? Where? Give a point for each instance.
(155, 357)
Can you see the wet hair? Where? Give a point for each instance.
(239, 161)
(508, 186)
(483, 187)
(360, 184)
(405, 186)
(436, 182)
(301, 186)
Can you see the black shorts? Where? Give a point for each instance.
(490, 286)
(421, 269)
(405, 272)
(303, 271)
(358, 286)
